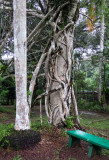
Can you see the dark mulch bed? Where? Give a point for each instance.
(21, 139)
(53, 146)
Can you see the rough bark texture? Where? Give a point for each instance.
(59, 64)
(22, 121)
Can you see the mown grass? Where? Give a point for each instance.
(97, 122)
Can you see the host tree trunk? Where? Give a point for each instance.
(22, 121)
(58, 67)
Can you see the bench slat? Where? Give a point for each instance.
(95, 140)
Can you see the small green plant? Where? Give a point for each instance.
(3, 95)
(72, 159)
(63, 133)
(5, 142)
(29, 93)
(17, 158)
(6, 131)
(83, 101)
(57, 152)
(97, 108)
(69, 122)
(56, 158)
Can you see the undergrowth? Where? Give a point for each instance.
(91, 106)
(5, 130)
(36, 124)
(7, 110)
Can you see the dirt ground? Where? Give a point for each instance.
(53, 146)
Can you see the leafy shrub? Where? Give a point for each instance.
(3, 96)
(97, 108)
(7, 90)
(5, 131)
(82, 104)
(82, 101)
(69, 122)
(91, 106)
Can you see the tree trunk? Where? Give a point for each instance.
(101, 58)
(105, 105)
(22, 121)
(58, 66)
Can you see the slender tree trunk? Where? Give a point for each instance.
(76, 91)
(34, 77)
(101, 58)
(22, 121)
(58, 67)
(75, 106)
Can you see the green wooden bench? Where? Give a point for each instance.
(95, 143)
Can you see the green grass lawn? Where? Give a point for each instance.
(97, 122)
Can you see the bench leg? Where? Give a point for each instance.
(90, 151)
(93, 148)
(73, 141)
